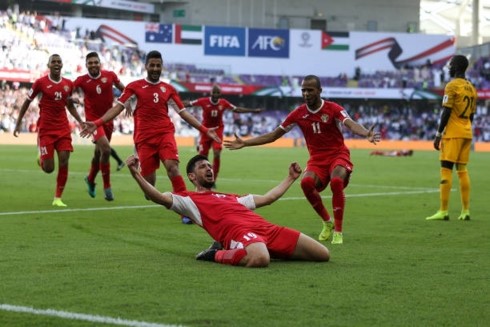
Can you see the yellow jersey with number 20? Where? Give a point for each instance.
(459, 96)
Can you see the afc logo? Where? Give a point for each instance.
(267, 42)
(224, 41)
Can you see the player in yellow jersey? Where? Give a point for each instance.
(454, 136)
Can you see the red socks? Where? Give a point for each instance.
(178, 184)
(312, 195)
(216, 163)
(230, 257)
(94, 170)
(105, 169)
(61, 180)
(338, 202)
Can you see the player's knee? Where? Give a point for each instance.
(105, 150)
(323, 254)
(48, 166)
(460, 167)
(337, 184)
(308, 184)
(258, 260)
(48, 169)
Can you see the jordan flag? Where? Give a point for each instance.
(338, 41)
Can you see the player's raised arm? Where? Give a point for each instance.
(275, 193)
(153, 194)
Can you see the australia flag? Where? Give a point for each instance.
(158, 33)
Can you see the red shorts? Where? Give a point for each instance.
(323, 168)
(280, 241)
(152, 151)
(104, 130)
(206, 143)
(48, 144)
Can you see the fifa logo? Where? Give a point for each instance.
(224, 41)
(275, 43)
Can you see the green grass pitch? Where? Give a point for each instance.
(133, 260)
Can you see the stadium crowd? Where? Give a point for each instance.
(27, 40)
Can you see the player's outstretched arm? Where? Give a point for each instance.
(185, 115)
(239, 143)
(275, 193)
(161, 198)
(91, 126)
(356, 128)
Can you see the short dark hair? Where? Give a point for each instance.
(315, 78)
(154, 54)
(191, 164)
(91, 54)
(460, 62)
(53, 55)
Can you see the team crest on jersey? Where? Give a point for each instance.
(66, 88)
(103, 80)
(324, 118)
(163, 89)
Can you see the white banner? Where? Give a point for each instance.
(310, 51)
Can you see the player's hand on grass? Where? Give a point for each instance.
(235, 144)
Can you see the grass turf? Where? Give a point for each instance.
(135, 260)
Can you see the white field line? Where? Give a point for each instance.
(81, 316)
(124, 174)
(294, 198)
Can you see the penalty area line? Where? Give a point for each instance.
(81, 316)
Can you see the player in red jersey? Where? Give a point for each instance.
(98, 97)
(213, 108)
(247, 238)
(153, 129)
(54, 133)
(329, 162)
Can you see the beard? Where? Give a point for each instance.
(207, 184)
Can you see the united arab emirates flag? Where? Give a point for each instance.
(188, 34)
(335, 41)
